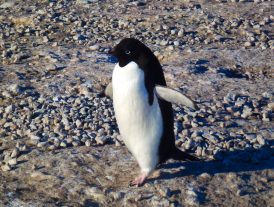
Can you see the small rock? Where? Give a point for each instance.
(14, 88)
(7, 4)
(165, 192)
(63, 144)
(267, 94)
(260, 140)
(181, 33)
(117, 143)
(88, 143)
(12, 162)
(248, 44)
(117, 195)
(15, 153)
(192, 198)
(9, 109)
(95, 192)
(271, 106)
(246, 112)
(39, 176)
(205, 176)
(163, 43)
(101, 139)
(6, 167)
(240, 192)
(52, 147)
(75, 143)
(51, 67)
(78, 123)
(94, 47)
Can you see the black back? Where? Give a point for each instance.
(131, 49)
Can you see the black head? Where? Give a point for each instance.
(131, 49)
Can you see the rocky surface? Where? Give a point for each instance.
(59, 142)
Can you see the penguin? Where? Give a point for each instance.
(145, 121)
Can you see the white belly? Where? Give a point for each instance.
(140, 124)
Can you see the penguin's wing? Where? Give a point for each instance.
(174, 96)
(167, 94)
(108, 91)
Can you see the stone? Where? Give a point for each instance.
(15, 153)
(191, 198)
(94, 47)
(246, 112)
(271, 106)
(6, 167)
(117, 195)
(101, 139)
(260, 139)
(95, 192)
(12, 162)
(205, 176)
(165, 192)
(51, 67)
(7, 4)
(88, 143)
(40, 176)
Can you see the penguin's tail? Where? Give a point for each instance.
(180, 155)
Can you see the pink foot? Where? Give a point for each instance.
(139, 180)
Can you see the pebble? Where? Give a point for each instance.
(9, 109)
(271, 106)
(88, 143)
(192, 198)
(12, 162)
(51, 67)
(95, 192)
(6, 167)
(260, 139)
(94, 47)
(6, 5)
(101, 140)
(205, 176)
(248, 44)
(240, 192)
(165, 192)
(15, 153)
(246, 112)
(117, 195)
(40, 176)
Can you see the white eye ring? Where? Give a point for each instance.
(127, 52)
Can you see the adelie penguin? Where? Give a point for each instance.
(144, 117)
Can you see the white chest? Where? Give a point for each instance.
(140, 124)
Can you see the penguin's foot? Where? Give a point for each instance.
(139, 180)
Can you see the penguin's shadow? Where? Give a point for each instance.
(200, 66)
(229, 73)
(265, 160)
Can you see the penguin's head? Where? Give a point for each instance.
(130, 49)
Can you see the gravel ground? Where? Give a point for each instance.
(59, 142)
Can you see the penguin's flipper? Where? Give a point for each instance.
(174, 96)
(108, 91)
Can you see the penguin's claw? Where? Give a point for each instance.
(139, 180)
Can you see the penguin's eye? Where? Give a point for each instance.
(127, 52)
